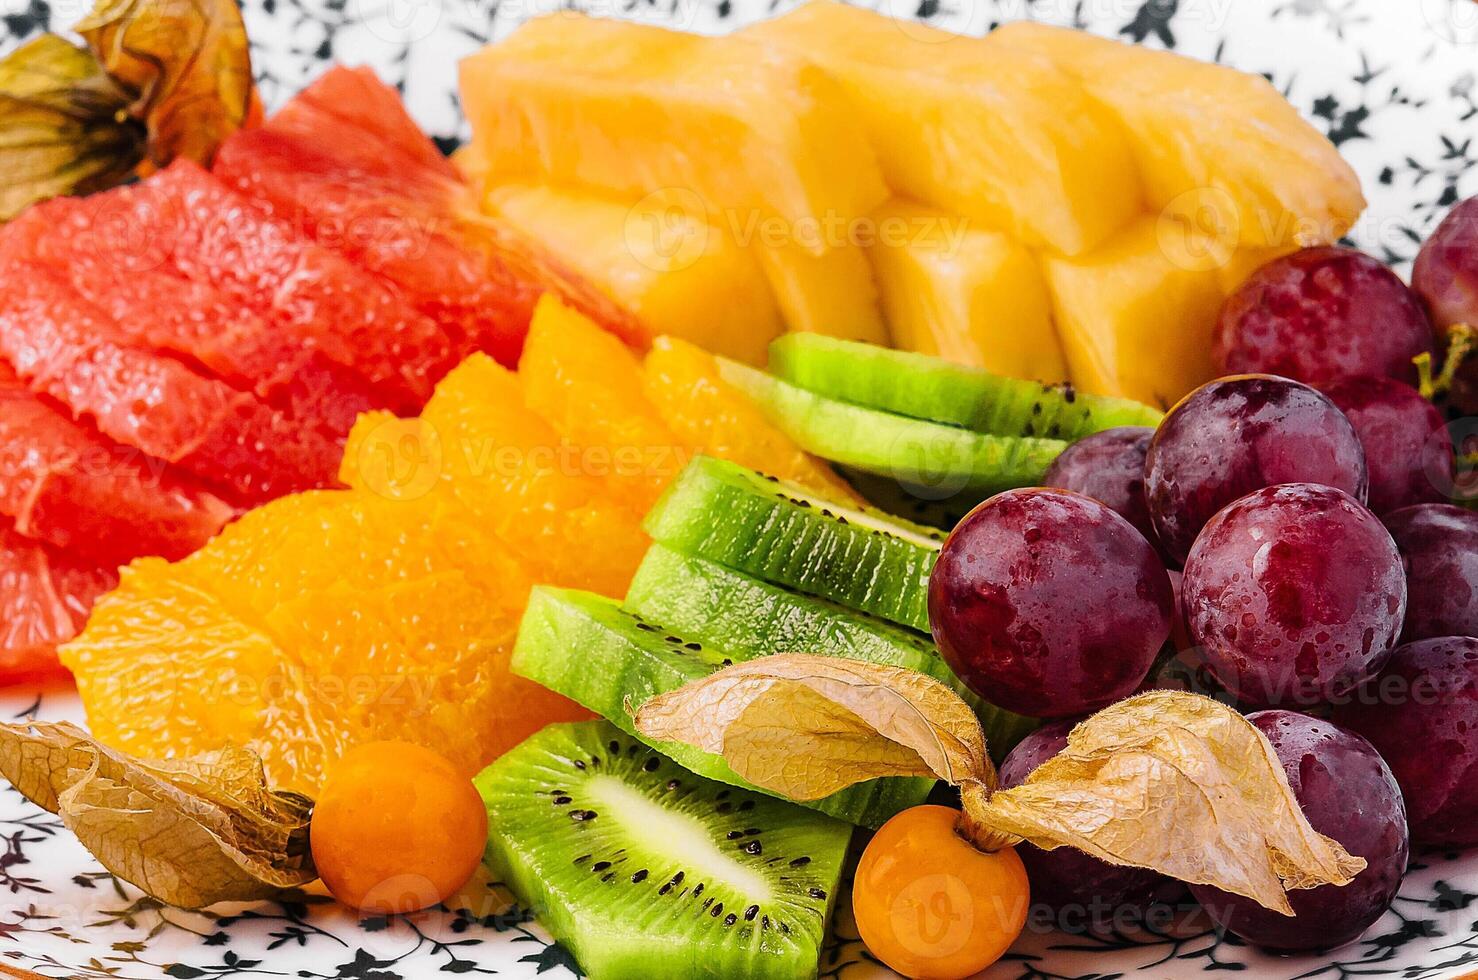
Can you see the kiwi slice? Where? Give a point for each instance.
(943, 457)
(587, 648)
(778, 532)
(923, 387)
(643, 870)
(749, 618)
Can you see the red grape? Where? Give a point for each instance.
(1422, 714)
(1240, 434)
(1048, 603)
(1446, 273)
(1109, 467)
(1348, 794)
(1295, 593)
(1067, 878)
(1439, 547)
(1322, 314)
(1407, 447)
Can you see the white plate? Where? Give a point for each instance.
(1395, 82)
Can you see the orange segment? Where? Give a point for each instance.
(166, 669)
(511, 470)
(712, 417)
(589, 387)
(384, 675)
(315, 623)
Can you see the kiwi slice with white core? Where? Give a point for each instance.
(946, 458)
(933, 389)
(644, 870)
(779, 532)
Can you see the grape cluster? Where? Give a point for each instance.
(1300, 505)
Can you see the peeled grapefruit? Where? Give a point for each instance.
(65, 485)
(45, 594)
(62, 346)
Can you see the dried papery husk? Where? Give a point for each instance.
(189, 832)
(1170, 781)
(159, 79)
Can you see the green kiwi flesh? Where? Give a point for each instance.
(778, 532)
(925, 453)
(643, 870)
(929, 388)
(587, 648)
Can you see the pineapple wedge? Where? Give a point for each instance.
(1001, 137)
(969, 295)
(1208, 138)
(677, 273)
(831, 294)
(1134, 321)
(750, 130)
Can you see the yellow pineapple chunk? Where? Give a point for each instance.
(634, 109)
(1002, 137)
(831, 294)
(680, 275)
(1208, 137)
(958, 291)
(1133, 321)
(1245, 262)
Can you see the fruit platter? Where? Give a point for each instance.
(796, 493)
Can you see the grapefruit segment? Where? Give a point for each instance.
(158, 309)
(365, 122)
(314, 297)
(589, 388)
(63, 347)
(65, 485)
(713, 418)
(45, 594)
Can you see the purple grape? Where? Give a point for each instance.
(1407, 448)
(1067, 878)
(1446, 272)
(1049, 604)
(1439, 548)
(1109, 467)
(1422, 714)
(1236, 435)
(1323, 314)
(1295, 593)
(1348, 794)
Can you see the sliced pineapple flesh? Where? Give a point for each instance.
(1136, 316)
(832, 293)
(680, 275)
(1002, 137)
(973, 296)
(751, 130)
(1207, 138)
